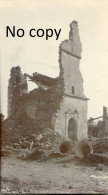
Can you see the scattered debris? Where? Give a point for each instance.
(54, 155)
(25, 145)
(99, 167)
(92, 160)
(35, 155)
(65, 165)
(6, 152)
(100, 145)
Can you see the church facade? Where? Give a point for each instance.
(58, 103)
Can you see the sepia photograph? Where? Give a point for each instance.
(54, 97)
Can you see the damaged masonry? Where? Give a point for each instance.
(46, 138)
(58, 103)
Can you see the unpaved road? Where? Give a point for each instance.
(20, 176)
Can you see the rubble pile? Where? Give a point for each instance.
(12, 134)
(47, 141)
(91, 160)
(100, 145)
(35, 155)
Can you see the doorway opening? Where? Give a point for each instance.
(72, 129)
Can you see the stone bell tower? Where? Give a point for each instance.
(70, 59)
(72, 118)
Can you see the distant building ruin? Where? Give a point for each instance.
(105, 120)
(58, 103)
(101, 128)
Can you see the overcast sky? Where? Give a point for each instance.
(41, 55)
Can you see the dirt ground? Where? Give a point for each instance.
(53, 176)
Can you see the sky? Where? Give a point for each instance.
(35, 54)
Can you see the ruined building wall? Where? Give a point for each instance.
(101, 128)
(106, 127)
(16, 88)
(63, 106)
(38, 107)
(74, 98)
(105, 121)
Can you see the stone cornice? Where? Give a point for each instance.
(76, 97)
(69, 53)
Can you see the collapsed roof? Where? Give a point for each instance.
(42, 80)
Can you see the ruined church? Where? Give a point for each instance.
(58, 103)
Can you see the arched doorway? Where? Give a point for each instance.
(72, 129)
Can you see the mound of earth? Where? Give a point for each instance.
(35, 155)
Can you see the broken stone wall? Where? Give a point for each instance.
(105, 120)
(106, 127)
(38, 106)
(16, 88)
(101, 128)
(103, 131)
